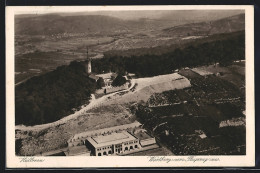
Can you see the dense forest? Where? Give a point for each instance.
(228, 48)
(51, 96)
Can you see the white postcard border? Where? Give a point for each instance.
(13, 161)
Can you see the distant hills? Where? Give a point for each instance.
(229, 24)
(199, 15)
(180, 44)
(49, 24)
(221, 48)
(56, 24)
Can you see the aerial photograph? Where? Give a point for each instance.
(130, 83)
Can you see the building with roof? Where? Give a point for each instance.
(108, 78)
(94, 77)
(145, 139)
(78, 151)
(113, 143)
(78, 139)
(116, 140)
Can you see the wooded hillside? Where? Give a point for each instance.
(227, 48)
(51, 96)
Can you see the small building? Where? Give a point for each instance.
(131, 75)
(202, 136)
(108, 78)
(145, 139)
(94, 77)
(118, 140)
(78, 151)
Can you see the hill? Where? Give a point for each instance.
(53, 95)
(180, 44)
(51, 24)
(177, 15)
(225, 25)
(49, 97)
(221, 48)
(56, 24)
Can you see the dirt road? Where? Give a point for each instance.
(93, 103)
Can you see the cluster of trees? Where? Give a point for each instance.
(51, 96)
(224, 51)
(100, 83)
(118, 81)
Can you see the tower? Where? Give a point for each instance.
(88, 65)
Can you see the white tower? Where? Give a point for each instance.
(88, 67)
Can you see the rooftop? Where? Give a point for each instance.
(106, 130)
(131, 74)
(92, 76)
(106, 75)
(109, 139)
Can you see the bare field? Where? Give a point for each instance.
(148, 86)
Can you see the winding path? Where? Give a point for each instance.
(93, 103)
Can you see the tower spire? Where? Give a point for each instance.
(88, 70)
(87, 54)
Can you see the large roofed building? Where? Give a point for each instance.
(118, 140)
(77, 139)
(114, 143)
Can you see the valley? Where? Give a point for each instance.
(46, 48)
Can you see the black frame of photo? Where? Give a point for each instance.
(3, 132)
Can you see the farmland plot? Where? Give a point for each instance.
(192, 116)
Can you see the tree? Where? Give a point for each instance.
(119, 80)
(18, 145)
(100, 83)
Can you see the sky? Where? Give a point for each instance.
(157, 14)
(133, 13)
